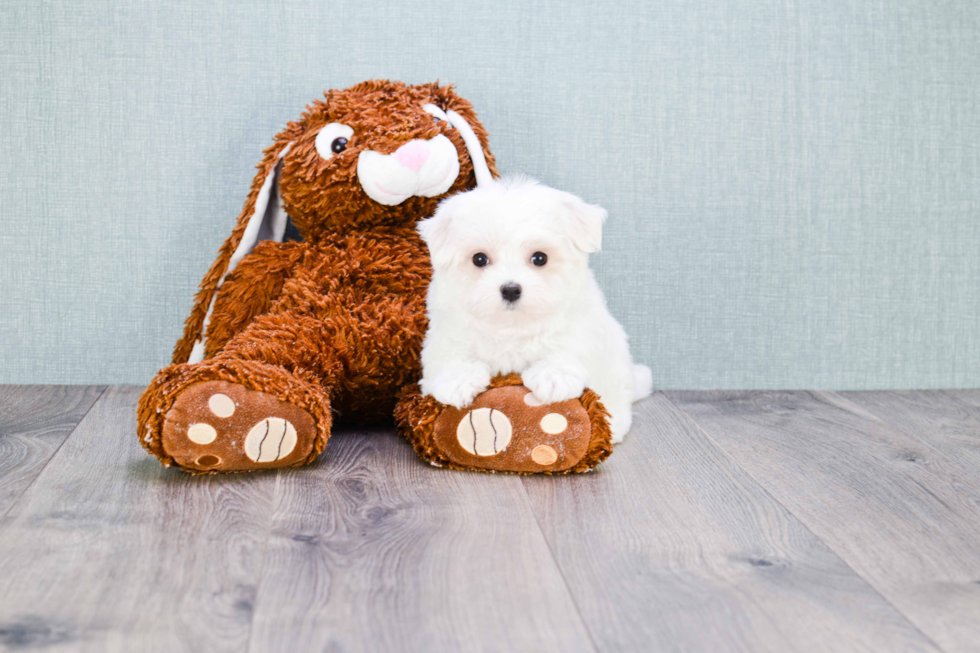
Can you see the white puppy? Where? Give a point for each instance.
(512, 291)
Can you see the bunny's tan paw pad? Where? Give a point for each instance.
(507, 429)
(218, 426)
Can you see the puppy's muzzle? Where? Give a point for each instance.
(511, 292)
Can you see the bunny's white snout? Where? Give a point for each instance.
(420, 167)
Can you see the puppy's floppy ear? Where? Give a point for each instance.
(583, 221)
(436, 234)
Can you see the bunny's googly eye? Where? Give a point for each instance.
(437, 113)
(333, 139)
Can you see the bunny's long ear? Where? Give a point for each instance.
(459, 113)
(473, 147)
(263, 218)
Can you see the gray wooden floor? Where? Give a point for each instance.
(727, 521)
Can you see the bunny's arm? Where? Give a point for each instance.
(251, 289)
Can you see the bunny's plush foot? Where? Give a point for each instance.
(233, 417)
(222, 426)
(506, 429)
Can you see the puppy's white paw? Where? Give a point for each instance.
(459, 392)
(458, 384)
(621, 419)
(617, 435)
(552, 384)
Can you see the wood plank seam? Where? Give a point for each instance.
(54, 454)
(265, 558)
(561, 572)
(805, 525)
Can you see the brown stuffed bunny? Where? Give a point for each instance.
(285, 334)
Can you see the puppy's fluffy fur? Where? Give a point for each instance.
(558, 335)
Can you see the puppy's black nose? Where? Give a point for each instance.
(511, 291)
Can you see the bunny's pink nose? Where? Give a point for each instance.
(412, 155)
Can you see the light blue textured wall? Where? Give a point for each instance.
(793, 185)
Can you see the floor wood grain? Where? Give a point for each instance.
(109, 551)
(390, 554)
(34, 423)
(726, 522)
(902, 514)
(670, 546)
(948, 421)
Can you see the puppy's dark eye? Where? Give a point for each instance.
(539, 258)
(480, 260)
(338, 145)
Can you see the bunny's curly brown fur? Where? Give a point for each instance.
(321, 196)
